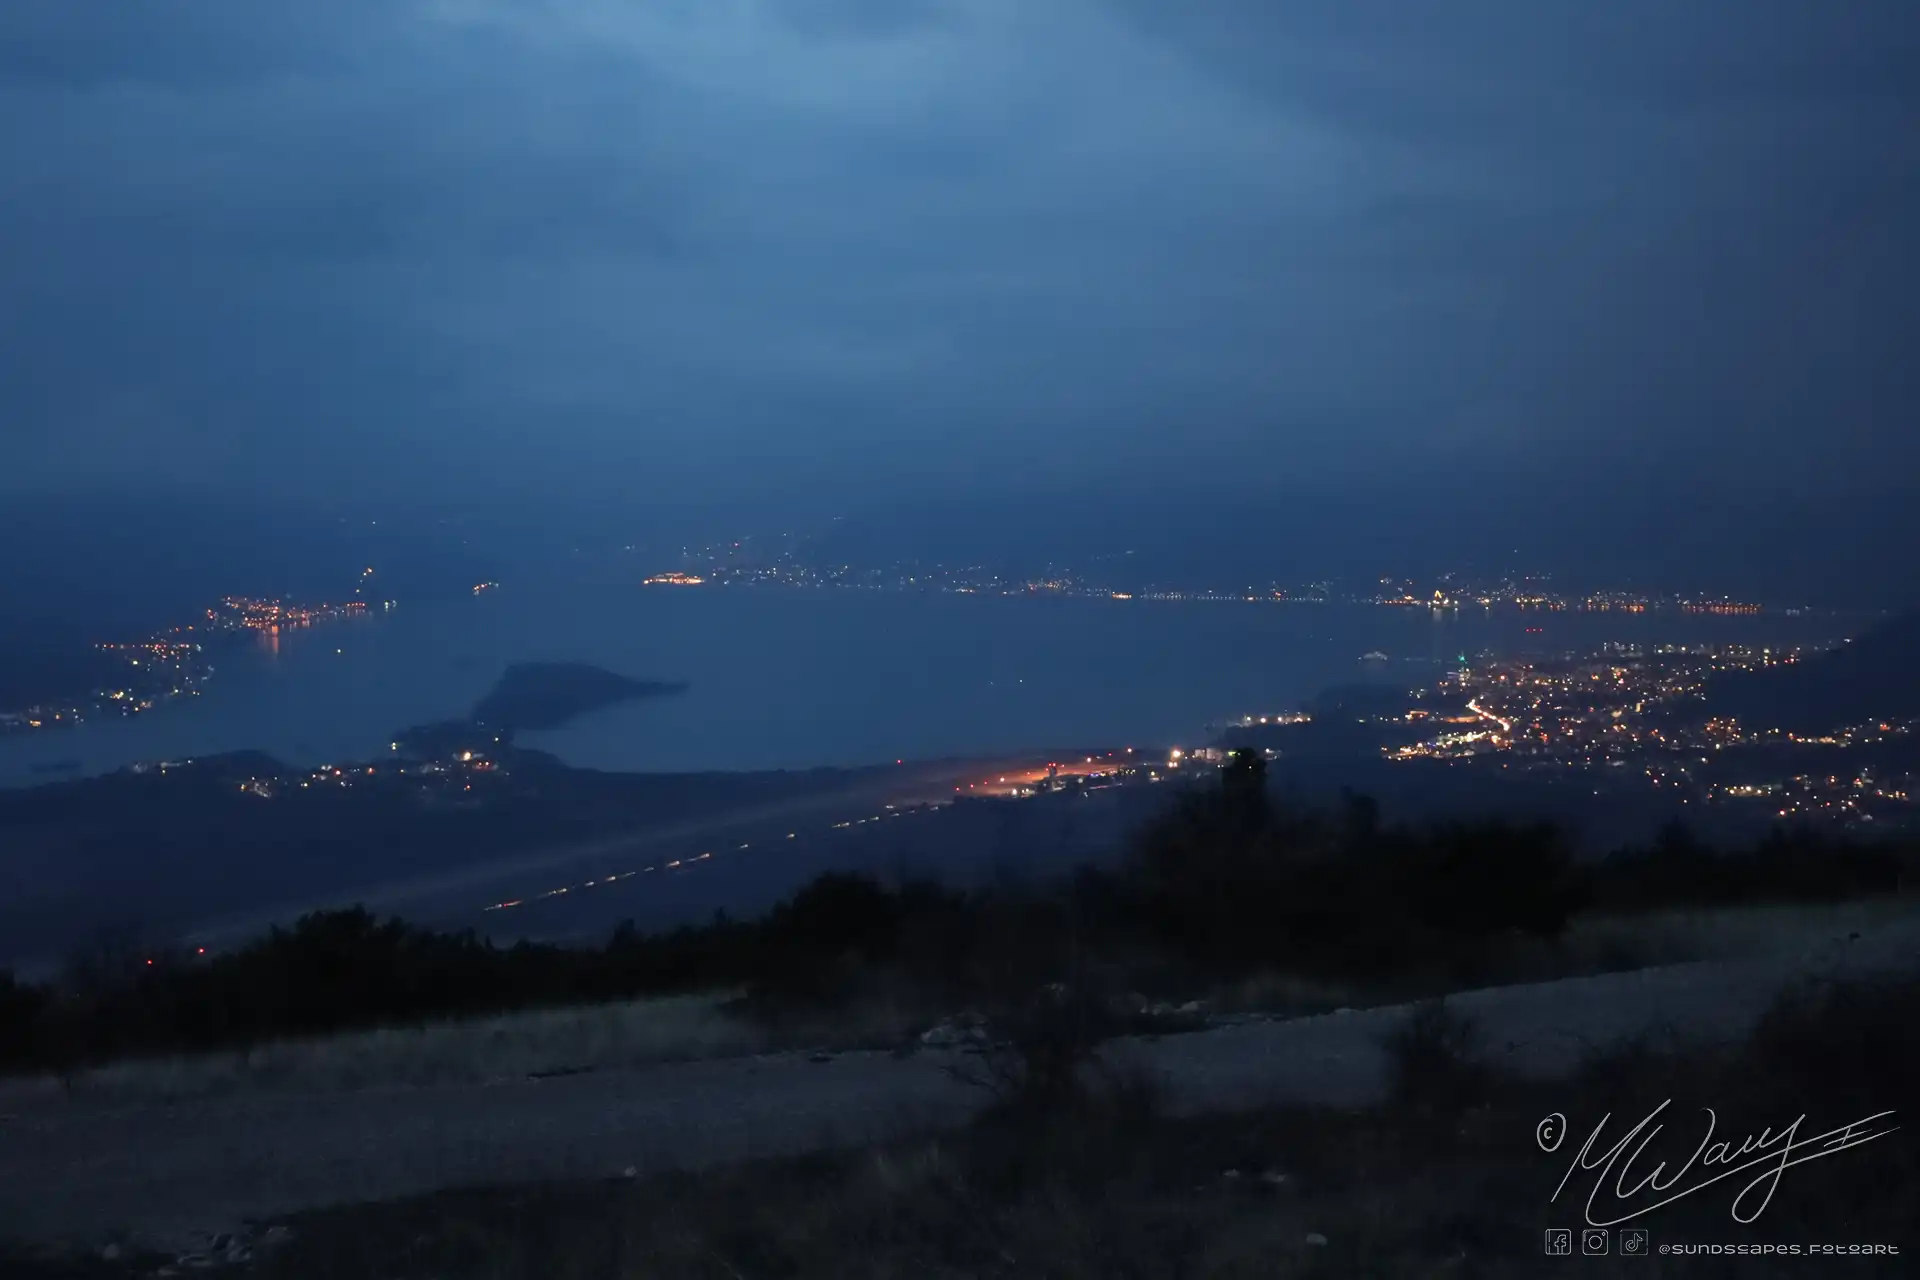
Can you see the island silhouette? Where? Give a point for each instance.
(546, 695)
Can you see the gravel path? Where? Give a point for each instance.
(163, 1174)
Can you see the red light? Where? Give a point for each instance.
(149, 962)
(203, 951)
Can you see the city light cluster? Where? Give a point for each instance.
(1630, 713)
(174, 663)
(243, 612)
(791, 560)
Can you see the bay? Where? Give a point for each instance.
(799, 678)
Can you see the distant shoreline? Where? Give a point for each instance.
(1273, 664)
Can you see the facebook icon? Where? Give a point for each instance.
(1559, 1242)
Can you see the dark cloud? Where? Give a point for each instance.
(54, 43)
(1430, 67)
(586, 251)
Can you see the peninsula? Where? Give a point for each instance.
(546, 695)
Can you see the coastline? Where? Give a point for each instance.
(789, 679)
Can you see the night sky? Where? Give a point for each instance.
(1614, 284)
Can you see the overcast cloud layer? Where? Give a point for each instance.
(606, 252)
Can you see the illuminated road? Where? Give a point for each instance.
(891, 799)
(1506, 726)
(1024, 774)
(505, 883)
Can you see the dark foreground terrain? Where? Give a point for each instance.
(1399, 1142)
(1223, 886)
(1443, 1176)
(133, 859)
(1055, 986)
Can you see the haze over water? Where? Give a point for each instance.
(797, 679)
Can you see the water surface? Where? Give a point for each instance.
(795, 678)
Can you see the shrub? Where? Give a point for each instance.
(1434, 1063)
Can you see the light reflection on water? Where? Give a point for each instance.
(794, 679)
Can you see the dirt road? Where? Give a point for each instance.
(72, 1172)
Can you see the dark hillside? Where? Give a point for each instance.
(1875, 677)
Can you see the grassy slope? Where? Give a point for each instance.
(1447, 1179)
(685, 1028)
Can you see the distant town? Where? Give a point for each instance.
(140, 675)
(1626, 722)
(792, 560)
(1632, 722)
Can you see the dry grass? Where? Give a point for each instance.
(1592, 944)
(1726, 933)
(512, 1045)
(1284, 995)
(1105, 1186)
(693, 1027)
(928, 1209)
(1096, 1189)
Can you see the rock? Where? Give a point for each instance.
(1190, 1008)
(1273, 1178)
(955, 1032)
(1315, 1238)
(276, 1235)
(822, 1056)
(630, 1172)
(1230, 1174)
(110, 1253)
